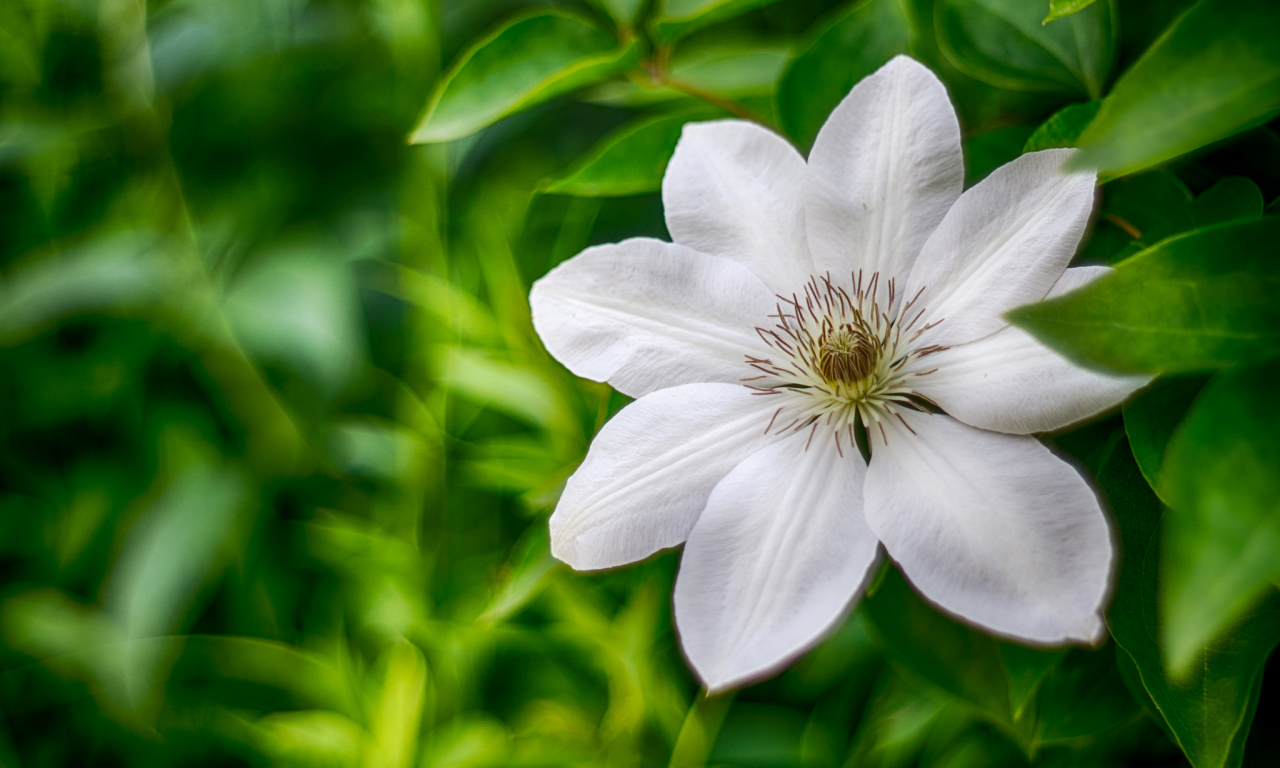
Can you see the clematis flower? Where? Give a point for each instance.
(798, 302)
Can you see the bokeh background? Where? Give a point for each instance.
(278, 442)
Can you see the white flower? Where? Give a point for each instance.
(796, 301)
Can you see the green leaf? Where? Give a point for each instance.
(1214, 72)
(988, 151)
(1209, 712)
(963, 662)
(1063, 129)
(1082, 696)
(1060, 8)
(1151, 416)
(1025, 668)
(677, 18)
(1223, 541)
(524, 63)
(734, 70)
(1231, 199)
(629, 161)
(1006, 44)
(625, 13)
(1202, 300)
(855, 44)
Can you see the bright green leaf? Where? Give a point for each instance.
(1151, 416)
(1220, 477)
(1063, 129)
(1006, 44)
(1214, 72)
(1202, 300)
(677, 18)
(854, 45)
(524, 63)
(1208, 713)
(1060, 8)
(629, 161)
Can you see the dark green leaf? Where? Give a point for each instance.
(988, 151)
(1025, 668)
(1082, 696)
(628, 161)
(1151, 416)
(855, 44)
(1064, 128)
(1007, 44)
(1232, 198)
(1216, 71)
(525, 62)
(1060, 8)
(959, 660)
(1196, 301)
(1209, 712)
(677, 18)
(1222, 481)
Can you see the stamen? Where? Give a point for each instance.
(841, 357)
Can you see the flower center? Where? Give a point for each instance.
(848, 354)
(841, 357)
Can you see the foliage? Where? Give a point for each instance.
(278, 441)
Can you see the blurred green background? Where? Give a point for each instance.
(278, 442)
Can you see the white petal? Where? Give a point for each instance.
(643, 315)
(1009, 382)
(991, 527)
(883, 172)
(1003, 244)
(735, 189)
(776, 558)
(650, 470)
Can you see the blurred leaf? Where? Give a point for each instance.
(120, 273)
(733, 69)
(629, 161)
(1083, 696)
(525, 62)
(508, 387)
(1177, 306)
(300, 308)
(963, 662)
(1216, 71)
(1152, 415)
(397, 715)
(900, 721)
(1208, 712)
(625, 13)
(677, 18)
(1005, 43)
(524, 576)
(311, 737)
(1063, 129)
(1223, 531)
(856, 43)
(1060, 8)
(1025, 668)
